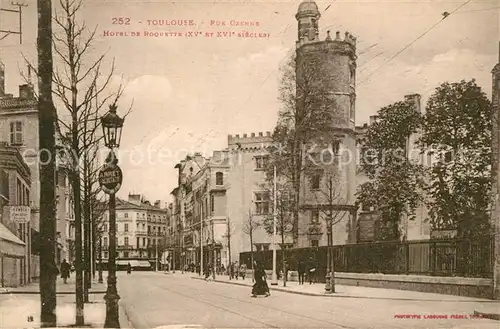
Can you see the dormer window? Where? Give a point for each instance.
(16, 133)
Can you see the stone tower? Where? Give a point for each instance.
(328, 65)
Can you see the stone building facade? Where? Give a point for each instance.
(140, 232)
(19, 127)
(368, 224)
(15, 218)
(219, 194)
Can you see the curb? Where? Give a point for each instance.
(491, 316)
(124, 319)
(335, 295)
(21, 292)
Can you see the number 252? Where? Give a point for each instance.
(121, 20)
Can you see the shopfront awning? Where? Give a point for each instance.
(133, 263)
(10, 244)
(144, 263)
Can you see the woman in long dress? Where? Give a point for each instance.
(260, 286)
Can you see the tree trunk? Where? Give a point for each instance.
(229, 242)
(283, 258)
(46, 125)
(251, 252)
(79, 321)
(94, 247)
(86, 226)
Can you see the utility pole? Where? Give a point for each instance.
(214, 256)
(274, 279)
(20, 12)
(495, 214)
(201, 242)
(156, 250)
(46, 127)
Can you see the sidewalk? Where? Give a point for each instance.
(482, 307)
(20, 307)
(61, 287)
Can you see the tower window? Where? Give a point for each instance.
(219, 178)
(315, 180)
(352, 109)
(314, 216)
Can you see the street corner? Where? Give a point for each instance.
(491, 316)
(125, 322)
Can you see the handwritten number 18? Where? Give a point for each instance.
(121, 20)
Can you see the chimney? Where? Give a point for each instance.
(415, 100)
(373, 119)
(135, 199)
(25, 91)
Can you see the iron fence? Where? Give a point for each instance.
(436, 257)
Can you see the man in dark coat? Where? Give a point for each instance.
(65, 269)
(301, 269)
(311, 270)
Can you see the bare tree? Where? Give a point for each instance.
(227, 235)
(78, 81)
(284, 218)
(249, 227)
(329, 194)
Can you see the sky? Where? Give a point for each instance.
(187, 94)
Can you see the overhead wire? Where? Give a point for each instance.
(445, 15)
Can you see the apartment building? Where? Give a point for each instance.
(140, 232)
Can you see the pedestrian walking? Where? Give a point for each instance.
(207, 271)
(260, 286)
(65, 270)
(301, 269)
(129, 268)
(222, 269)
(236, 270)
(311, 273)
(243, 271)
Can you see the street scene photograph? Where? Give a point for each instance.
(250, 164)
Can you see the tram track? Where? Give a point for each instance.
(195, 292)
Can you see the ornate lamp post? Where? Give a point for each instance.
(110, 179)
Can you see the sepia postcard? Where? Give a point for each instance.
(249, 164)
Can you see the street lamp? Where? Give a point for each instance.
(110, 179)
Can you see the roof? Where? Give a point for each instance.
(6, 234)
(123, 204)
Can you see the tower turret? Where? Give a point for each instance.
(307, 17)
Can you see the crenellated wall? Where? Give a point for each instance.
(249, 141)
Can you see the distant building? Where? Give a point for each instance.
(140, 232)
(15, 218)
